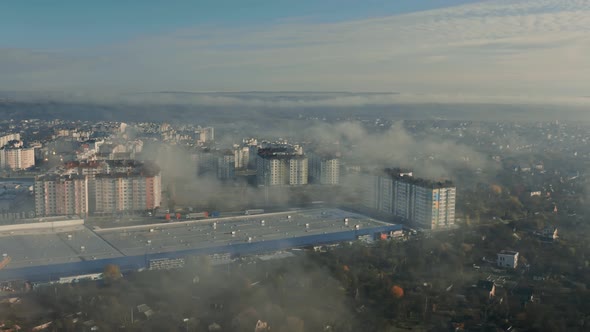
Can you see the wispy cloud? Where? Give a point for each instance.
(498, 50)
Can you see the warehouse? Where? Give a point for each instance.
(60, 252)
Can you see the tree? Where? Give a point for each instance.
(112, 272)
(397, 291)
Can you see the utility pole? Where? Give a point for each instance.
(186, 321)
(425, 307)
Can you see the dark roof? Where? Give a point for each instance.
(279, 153)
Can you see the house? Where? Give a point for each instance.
(145, 310)
(507, 259)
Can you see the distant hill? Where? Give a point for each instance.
(179, 106)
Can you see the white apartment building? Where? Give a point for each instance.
(92, 187)
(271, 171)
(426, 203)
(7, 138)
(324, 169)
(434, 204)
(241, 156)
(281, 168)
(61, 195)
(127, 192)
(17, 158)
(298, 170)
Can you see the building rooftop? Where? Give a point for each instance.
(183, 235)
(279, 153)
(77, 243)
(54, 246)
(407, 177)
(55, 177)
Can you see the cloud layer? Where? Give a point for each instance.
(517, 50)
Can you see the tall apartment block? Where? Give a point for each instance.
(281, 166)
(433, 204)
(17, 158)
(226, 166)
(127, 192)
(61, 195)
(429, 204)
(324, 169)
(298, 170)
(207, 162)
(206, 134)
(13, 154)
(99, 187)
(8, 138)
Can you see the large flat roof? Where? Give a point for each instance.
(54, 247)
(73, 244)
(185, 235)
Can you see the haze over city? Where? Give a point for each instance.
(295, 166)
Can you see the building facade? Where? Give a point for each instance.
(508, 259)
(8, 138)
(271, 171)
(324, 169)
(58, 195)
(428, 204)
(127, 192)
(275, 167)
(17, 158)
(99, 187)
(226, 166)
(298, 170)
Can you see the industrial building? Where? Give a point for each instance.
(52, 249)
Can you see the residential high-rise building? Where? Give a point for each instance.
(133, 191)
(61, 195)
(271, 171)
(17, 157)
(434, 204)
(89, 170)
(8, 138)
(298, 170)
(207, 162)
(281, 166)
(368, 185)
(426, 203)
(226, 166)
(324, 169)
(206, 134)
(99, 187)
(241, 156)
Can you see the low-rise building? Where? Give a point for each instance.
(507, 259)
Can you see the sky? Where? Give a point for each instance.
(434, 50)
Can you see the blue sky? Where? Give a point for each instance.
(428, 50)
(66, 23)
